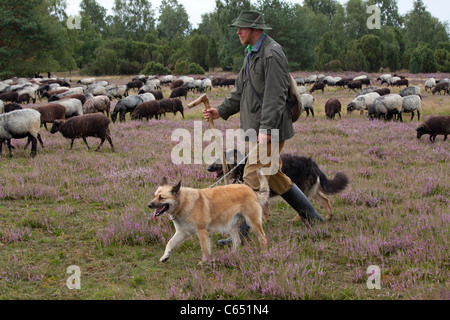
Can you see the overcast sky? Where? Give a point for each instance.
(195, 8)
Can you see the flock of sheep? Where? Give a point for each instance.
(75, 110)
(379, 103)
(83, 110)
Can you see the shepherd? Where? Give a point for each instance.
(260, 96)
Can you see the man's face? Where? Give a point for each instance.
(248, 35)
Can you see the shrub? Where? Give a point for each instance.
(155, 68)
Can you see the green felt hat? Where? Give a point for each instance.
(250, 19)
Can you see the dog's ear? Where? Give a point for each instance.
(164, 181)
(176, 188)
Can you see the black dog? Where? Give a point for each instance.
(303, 171)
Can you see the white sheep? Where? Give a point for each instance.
(97, 104)
(411, 90)
(117, 92)
(362, 102)
(410, 104)
(302, 89)
(307, 103)
(430, 83)
(147, 96)
(74, 107)
(86, 81)
(19, 124)
(385, 106)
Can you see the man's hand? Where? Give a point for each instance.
(264, 138)
(211, 112)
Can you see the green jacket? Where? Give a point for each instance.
(269, 74)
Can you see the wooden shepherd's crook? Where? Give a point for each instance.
(204, 99)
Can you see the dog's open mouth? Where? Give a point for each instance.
(159, 211)
(218, 174)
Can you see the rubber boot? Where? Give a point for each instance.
(243, 233)
(297, 200)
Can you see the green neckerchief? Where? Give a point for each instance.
(250, 48)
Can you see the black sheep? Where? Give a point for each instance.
(353, 85)
(401, 82)
(437, 125)
(12, 106)
(136, 84)
(148, 110)
(10, 96)
(383, 91)
(332, 107)
(439, 87)
(171, 105)
(179, 92)
(88, 125)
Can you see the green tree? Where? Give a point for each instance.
(356, 19)
(354, 58)
(28, 32)
(212, 58)
(442, 58)
(373, 51)
(422, 59)
(173, 20)
(198, 46)
(390, 16)
(326, 51)
(132, 19)
(95, 13)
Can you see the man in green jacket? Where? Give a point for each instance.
(260, 94)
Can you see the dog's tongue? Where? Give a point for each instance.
(217, 174)
(156, 212)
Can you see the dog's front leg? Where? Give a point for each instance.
(203, 237)
(177, 238)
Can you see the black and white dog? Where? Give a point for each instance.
(303, 171)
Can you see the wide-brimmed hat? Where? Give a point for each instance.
(250, 19)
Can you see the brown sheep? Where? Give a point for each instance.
(89, 125)
(51, 112)
(332, 107)
(148, 110)
(439, 87)
(179, 92)
(317, 87)
(10, 96)
(437, 125)
(353, 85)
(171, 105)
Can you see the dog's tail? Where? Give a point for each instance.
(336, 185)
(264, 189)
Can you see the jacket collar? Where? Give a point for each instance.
(257, 45)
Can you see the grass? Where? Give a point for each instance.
(88, 209)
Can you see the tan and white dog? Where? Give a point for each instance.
(205, 211)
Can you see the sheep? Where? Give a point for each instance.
(73, 107)
(302, 89)
(383, 91)
(176, 84)
(384, 77)
(317, 86)
(311, 79)
(51, 112)
(228, 83)
(401, 82)
(97, 104)
(353, 85)
(411, 90)
(86, 81)
(436, 125)
(9, 96)
(96, 90)
(88, 125)
(167, 79)
(20, 124)
(179, 92)
(332, 107)
(48, 94)
(148, 110)
(80, 97)
(307, 103)
(157, 94)
(205, 85)
(117, 92)
(125, 105)
(363, 102)
(147, 96)
(410, 104)
(429, 84)
(28, 93)
(360, 78)
(438, 87)
(385, 106)
(391, 81)
(171, 105)
(331, 81)
(11, 107)
(135, 84)
(367, 90)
